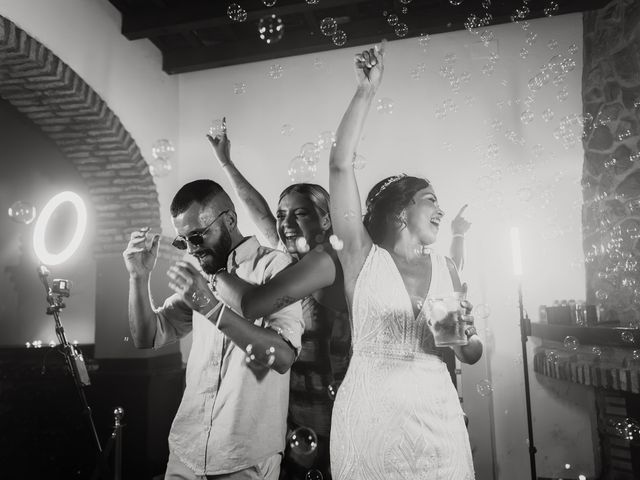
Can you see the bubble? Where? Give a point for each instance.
(310, 152)
(160, 167)
(269, 3)
(275, 71)
(236, 13)
(286, 130)
(301, 171)
(328, 26)
(563, 94)
(551, 9)
(547, 115)
(484, 388)
(313, 475)
(401, 30)
(125, 339)
(332, 390)
(216, 127)
(312, 2)
(627, 336)
(424, 40)
(597, 351)
(526, 117)
(635, 355)
(22, 212)
(339, 38)
(326, 140)
(488, 69)
(524, 53)
(571, 343)
(200, 299)
(482, 310)
(270, 29)
(552, 44)
(27, 344)
(163, 149)
(551, 356)
(303, 441)
(567, 65)
(359, 162)
(239, 88)
(392, 19)
(487, 37)
(531, 38)
(384, 106)
(52, 343)
(628, 429)
(455, 3)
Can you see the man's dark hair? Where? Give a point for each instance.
(198, 191)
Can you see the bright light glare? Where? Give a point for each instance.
(40, 230)
(515, 249)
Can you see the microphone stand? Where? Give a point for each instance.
(525, 332)
(74, 358)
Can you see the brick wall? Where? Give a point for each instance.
(611, 175)
(48, 92)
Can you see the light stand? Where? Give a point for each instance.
(74, 359)
(525, 332)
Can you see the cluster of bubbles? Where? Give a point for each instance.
(161, 152)
(35, 344)
(270, 29)
(447, 72)
(22, 212)
(329, 28)
(304, 166)
(236, 13)
(259, 361)
(627, 429)
(572, 128)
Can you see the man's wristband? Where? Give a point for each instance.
(461, 235)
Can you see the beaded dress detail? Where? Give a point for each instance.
(397, 415)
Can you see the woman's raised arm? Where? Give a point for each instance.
(346, 210)
(254, 203)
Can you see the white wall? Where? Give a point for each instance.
(449, 151)
(85, 34)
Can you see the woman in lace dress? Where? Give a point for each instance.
(397, 414)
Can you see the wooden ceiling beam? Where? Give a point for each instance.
(150, 23)
(360, 32)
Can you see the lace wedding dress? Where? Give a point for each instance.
(397, 415)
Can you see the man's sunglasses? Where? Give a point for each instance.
(194, 239)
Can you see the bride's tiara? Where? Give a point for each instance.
(389, 181)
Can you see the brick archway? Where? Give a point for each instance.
(55, 98)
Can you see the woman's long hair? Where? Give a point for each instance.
(386, 201)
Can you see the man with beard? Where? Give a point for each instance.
(232, 419)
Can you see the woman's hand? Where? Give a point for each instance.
(221, 145)
(370, 66)
(460, 225)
